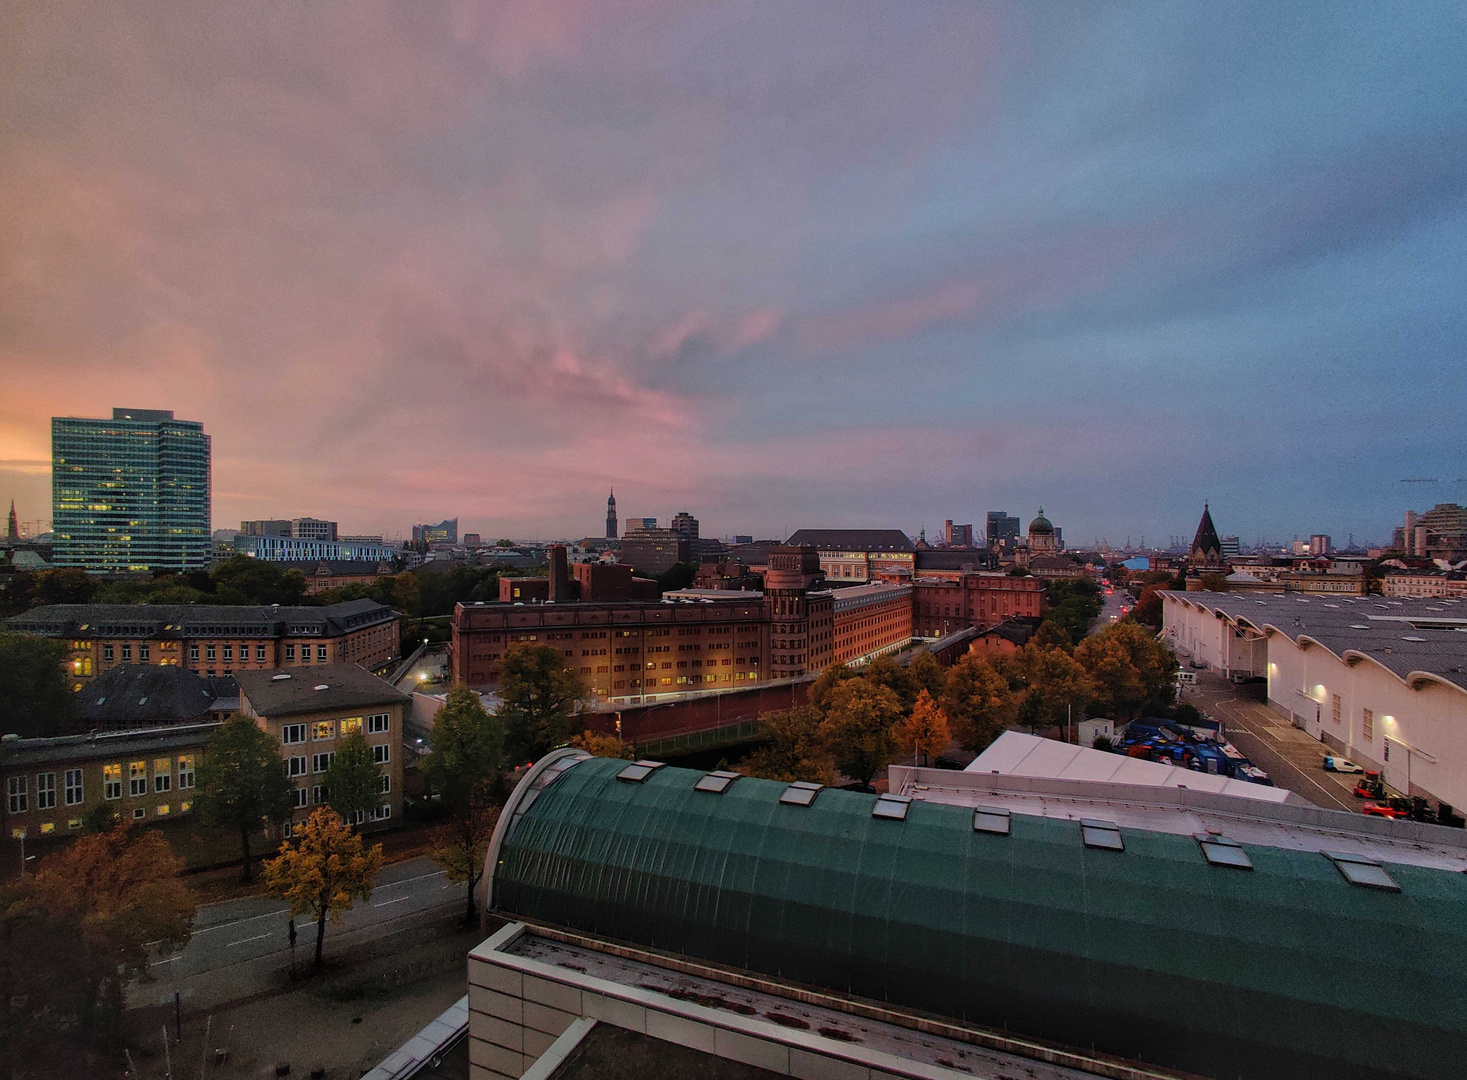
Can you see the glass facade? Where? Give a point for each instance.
(130, 493)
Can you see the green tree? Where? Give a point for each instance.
(541, 695)
(884, 671)
(242, 580)
(825, 684)
(1052, 633)
(73, 936)
(1115, 682)
(35, 697)
(677, 576)
(242, 783)
(978, 702)
(927, 674)
(29, 589)
(323, 871)
(859, 729)
(791, 748)
(353, 779)
(1052, 685)
(465, 770)
(1214, 583)
(925, 730)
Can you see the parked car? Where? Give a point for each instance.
(1341, 765)
(1384, 809)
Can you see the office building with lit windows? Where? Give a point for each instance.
(130, 493)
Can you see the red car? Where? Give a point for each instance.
(1385, 810)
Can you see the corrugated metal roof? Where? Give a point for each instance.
(1148, 953)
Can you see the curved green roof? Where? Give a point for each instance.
(1284, 970)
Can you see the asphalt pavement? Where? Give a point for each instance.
(1291, 758)
(238, 943)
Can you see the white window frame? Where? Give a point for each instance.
(18, 794)
(384, 787)
(382, 813)
(378, 723)
(321, 762)
(137, 786)
(295, 765)
(186, 775)
(300, 798)
(74, 787)
(381, 753)
(316, 724)
(290, 734)
(112, 789)
(46, 791)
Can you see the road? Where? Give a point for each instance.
(1110, 610)
(236, 940)
(1291, 758)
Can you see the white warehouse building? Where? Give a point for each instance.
(1382, 680)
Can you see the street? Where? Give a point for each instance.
(229, 937)
(1111, 608)
(1291, 758)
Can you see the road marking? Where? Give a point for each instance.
(170, 960)
(237, 922)
(406, 881)
(399, 900)
(241, 941)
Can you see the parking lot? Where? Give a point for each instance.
(1291, 758)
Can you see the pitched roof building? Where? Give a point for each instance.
(1206, 550)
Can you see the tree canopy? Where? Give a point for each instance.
(792, 749)
(858, 728)
(242, 783)
(541, 695)
(35, 696)
(465, 771)
(978, 702)
(323, 871)
(925, 729)
(353, 779)
(607, 746)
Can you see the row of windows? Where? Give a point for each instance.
(320, 794)
(73, 783)
(296, 765)
(139, 813)
(376, 724)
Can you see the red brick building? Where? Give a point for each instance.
(949, 600)
(633, 650)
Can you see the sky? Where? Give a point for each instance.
(779, 264)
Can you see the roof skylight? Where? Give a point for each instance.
(893, 807)
(800, 793)
(716, 782)
(1362, 870)
(638, 771)
(1221, 851)
(991, 819)
(1101, 834)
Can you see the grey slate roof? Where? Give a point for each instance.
(197, 620)
(853, 539)
(137, 695)
(120, 744)
(315, 689)
(1409, 637)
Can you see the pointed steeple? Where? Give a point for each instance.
(1206, 547)
(12, 527)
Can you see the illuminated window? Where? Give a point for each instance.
(185, 807)
(47, 827)
(162, 774)
(137, 778)
(351, 726)
(112, 781)
(185, 771)
(163, 810)
(323, 729)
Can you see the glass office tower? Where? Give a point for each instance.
(130, 493)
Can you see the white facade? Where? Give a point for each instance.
(1412, 725)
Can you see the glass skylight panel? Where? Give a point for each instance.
(1362, 870)
(800, 793)
(716, 782)
(1101, 834)
(892, 807)
(991, 820)
(1221, 851)
(638, 771)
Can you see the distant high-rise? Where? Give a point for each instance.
(445, 532)
(1320, 544)
(957, 535)
(12, 527)
(1003, 531)
(130, 493)
(685, 524)
(611, 516)
(296, 528)
(1230, 546)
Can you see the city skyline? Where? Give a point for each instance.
(781, 272)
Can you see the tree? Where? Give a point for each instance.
(242, 783)
(99, 819)
(884, 671)
(1148, 608)
(1053, 686)
(540, 695)
(829, 679)
(607, 746)
(859, 728)
(243, 580)
(35, 697)
(925, 730)
(322, 871)
(926, 673)
(464, 770)
(353, 779)
(1116, 684)
(1214, 583)
(1052, 633)
(74, 936)
(978, 702)
(677, 576)
(791, 749)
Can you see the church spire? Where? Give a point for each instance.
(12, 527)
